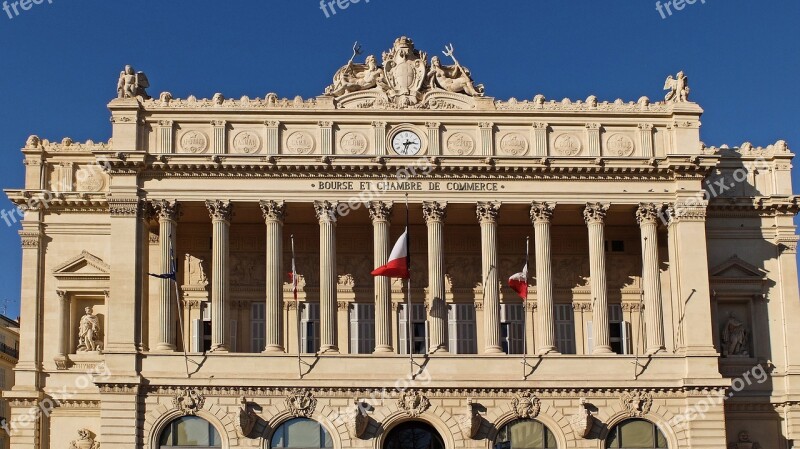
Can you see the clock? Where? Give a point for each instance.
(406, 143)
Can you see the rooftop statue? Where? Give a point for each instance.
(678, 88)
(355, 77)
(453, 78)
(132, 84)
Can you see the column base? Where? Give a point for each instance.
(494, 350)
(438, 350)
(273, 349)
(329, 350)
(383, 349)
(600, 350)
(548, 350)
(655, 350)
(220, 349)
(164, 347)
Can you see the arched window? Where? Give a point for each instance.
(525, 434)
(190, 432)
(301, 433)
(413, 435)
(636, 434)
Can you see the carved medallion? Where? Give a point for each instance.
(300, 142)
(413, 403)
(247, 142)
(194, 142)
(514, 144)
(567, 145)
(525, 405)
(301, 402)
(188, 401)
(461, 144)
(620, 145)
(89, 179)
(637, 403)
(353, 143)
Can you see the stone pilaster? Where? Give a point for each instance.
(167, 213)
(594, 214)
(647, 216)
(379, 130)
(434, 137)
(380, 213)
(326, 136)
(487, 138)
(487, 216)
(29, 365)
(541, 214)
(220, 212)
(220, 136)
(328, 307)
(272, 143)
(435, 213)
(274, 213)
(63, 329)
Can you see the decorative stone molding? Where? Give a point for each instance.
(434, 211)
(189, 402)
(326, 211)
(582, 421)
(542, 212)
(301, 403)
(636, 403)
(488, 211)
(470, 421)
(124, 206)
(647, 213)
(525, 405)
(413, 403)
(247, 418)
(30, 239)
(380, 211)
(85, 440)
(273, 211)
(220, 210)
(167, 209)
(595, 212)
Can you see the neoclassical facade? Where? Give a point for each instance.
(157, 311)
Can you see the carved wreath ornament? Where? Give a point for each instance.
(525, 405)
(301, 402)
(636, 403)
(413, 403)
(189, 402)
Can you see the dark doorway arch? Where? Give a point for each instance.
(413, 435)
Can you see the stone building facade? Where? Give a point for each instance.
(157, 311)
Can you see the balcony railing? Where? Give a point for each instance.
(13, 352)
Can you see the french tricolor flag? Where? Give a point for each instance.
(397, 267)
(519, 282)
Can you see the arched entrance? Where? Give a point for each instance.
(413, 435)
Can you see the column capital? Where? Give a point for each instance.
(129, 206)
(30, 238)
(542, 212)
(488, 211)
(273, 211)
(63, 296)
(380, 211)
(220, 210)
(326, 211)
(647, 213)
(434, 211)
(167, 209)
(595, 212)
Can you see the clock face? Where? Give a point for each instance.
(406, 143)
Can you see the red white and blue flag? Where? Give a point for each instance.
(519, 282)
(397, 266)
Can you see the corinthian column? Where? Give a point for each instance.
(274, 213)
(487, 216)
(647, 216)
(220, 212)
(541, 214)
(595, 214)
(328, 307)
(167, 212)
(63, 328)
(435, 214)
(380, 213)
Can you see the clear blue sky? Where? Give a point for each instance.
(60, 60)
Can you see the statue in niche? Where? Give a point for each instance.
(356, 77)
(744, 442)
(132, 84)
(734, 338)
(678, 88)
(454, 78)
(89, 332)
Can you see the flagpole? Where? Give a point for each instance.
(174, 281)
(525, 314)
(297, 311)
(409, 324)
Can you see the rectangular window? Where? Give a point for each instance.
(197, 336)
(258, 330)
(512, 328)
(309, 328)
(462, 331)
(565, 328)
(419, 329)
(362, 328)
(619, 331)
